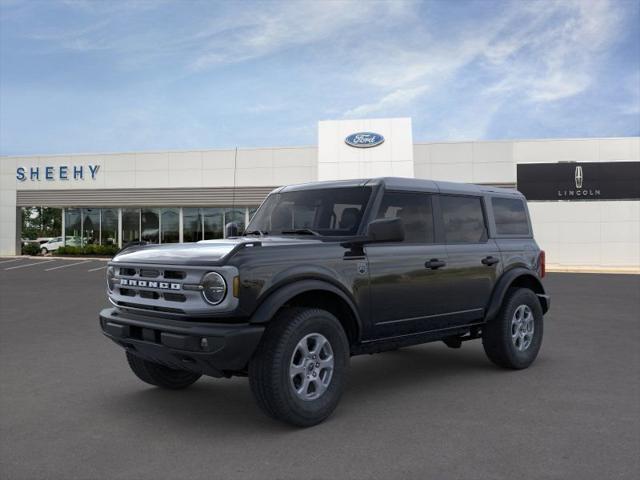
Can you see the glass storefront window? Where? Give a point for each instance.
(72, 226)
(90, 226)
(86, 226)
(150, 225)
(213, 222)
(235, 215)
(191, 225)
(170, 225)
(109, 226)
(130, 225)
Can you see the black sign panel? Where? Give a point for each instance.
(580, 181)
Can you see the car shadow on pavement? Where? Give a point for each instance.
(229, 406)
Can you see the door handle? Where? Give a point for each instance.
(488, 261)
(434, 264)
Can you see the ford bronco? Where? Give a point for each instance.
(325, 271)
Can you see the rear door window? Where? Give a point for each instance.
(415, 211)
(510, 216)
(463, 219)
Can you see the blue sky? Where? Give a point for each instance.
(103, 76)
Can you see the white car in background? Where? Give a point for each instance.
(56, 242)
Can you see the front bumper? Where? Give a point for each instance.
(213, 349)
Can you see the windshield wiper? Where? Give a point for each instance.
(255, 232)
(301, 231)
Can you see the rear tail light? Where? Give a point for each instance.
(542, 264)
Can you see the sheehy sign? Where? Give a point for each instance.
(60, 172)
(580, 181)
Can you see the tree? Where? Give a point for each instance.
(41, 222)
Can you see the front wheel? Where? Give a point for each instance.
(513, 338)
(159, 375)
(298, 373)
(44, 251)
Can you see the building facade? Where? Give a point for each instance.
(584, 194)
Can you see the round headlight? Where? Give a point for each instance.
(214, 288)
(111, 274)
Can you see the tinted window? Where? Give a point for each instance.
(510, 216)
(330, 211)
(463, 219)
(191, 225)
(414, 210)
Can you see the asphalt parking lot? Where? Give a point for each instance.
(71, 409)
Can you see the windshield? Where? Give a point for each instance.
(330, 211)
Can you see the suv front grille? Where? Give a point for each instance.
(145, 272)
(171, 289)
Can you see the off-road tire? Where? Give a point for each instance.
(269, 375)
(496, 335)
(159, 375)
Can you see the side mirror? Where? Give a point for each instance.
(385, 230)
(232, 229)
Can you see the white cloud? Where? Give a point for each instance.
(256, 33)
(398, 98)
(538, 51)
(552, 57)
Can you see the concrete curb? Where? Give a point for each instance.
(54, 257)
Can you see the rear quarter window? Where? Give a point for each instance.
(510, 216)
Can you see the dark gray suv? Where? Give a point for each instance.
(328, 270)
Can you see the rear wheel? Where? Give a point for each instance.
(159, 375)
(298, 372)
(513, 338)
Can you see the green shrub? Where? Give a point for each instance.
(31, 249)
(103, 250)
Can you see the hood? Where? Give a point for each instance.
(205, 252)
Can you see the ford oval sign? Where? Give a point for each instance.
(364, 139)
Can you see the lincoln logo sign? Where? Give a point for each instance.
(579, 177)
(364, 139)
(580, 181)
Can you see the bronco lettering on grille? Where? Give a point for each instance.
(129, 282)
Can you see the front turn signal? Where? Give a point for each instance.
(236, 287)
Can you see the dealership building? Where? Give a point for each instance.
(584, 194)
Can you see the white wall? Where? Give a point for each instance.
(339, 161)
(588, 233)
(585, 233)
(8, 210)
(199, 168)
(472, 162)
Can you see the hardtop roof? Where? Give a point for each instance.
(402, 183)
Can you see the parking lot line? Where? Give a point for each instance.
(9, 261)
(96, 269)
(30, 264)
(65, 266)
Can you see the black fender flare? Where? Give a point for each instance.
(506, 280)
(281, 295)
